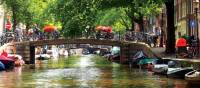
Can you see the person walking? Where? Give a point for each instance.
(193, 46)
(157, 33)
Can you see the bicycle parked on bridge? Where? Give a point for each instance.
(139, 37)
(104, 32)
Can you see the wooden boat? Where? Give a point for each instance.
(178, 72)
(8, 62)
(193, 76)
(18, 61)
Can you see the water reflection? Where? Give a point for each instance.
(8, 79)
(59, 74)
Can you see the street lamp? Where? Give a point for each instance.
(162, 28)
(196, 3)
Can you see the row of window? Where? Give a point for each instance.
(182, 8)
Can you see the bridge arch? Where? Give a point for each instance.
(128, 49)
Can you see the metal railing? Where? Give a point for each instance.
(147, 38)
(129, 36)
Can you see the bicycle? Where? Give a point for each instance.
(193, 51)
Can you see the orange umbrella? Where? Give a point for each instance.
(181, 42)
(104, 28)
(108, 29)
(49, 28)
(99, 27)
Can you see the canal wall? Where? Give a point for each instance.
(129, 49)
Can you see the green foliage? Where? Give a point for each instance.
(78, 17)
(29, 12)
(114, 17)
(134, 9)
(75, 16)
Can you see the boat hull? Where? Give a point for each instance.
(160, 69)
(178, 72)
(193, 77)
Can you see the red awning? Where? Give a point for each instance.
(181, 42)
(49, 28)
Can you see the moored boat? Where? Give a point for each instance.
(2, 67)
(42, 57)
(160, 69)
(8, 62)
(18, 61)
(178, 72)
(160, 66)
(115, 54)
(146, 63)
(193, 76)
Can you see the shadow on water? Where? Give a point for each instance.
(84, 72)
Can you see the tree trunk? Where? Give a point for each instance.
(14, 20)
(170, 42)
(141, 25)
(132, 23)
(27, 27)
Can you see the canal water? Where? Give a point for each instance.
(84, 72)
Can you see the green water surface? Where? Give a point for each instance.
(88, 71)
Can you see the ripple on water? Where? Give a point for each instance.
(81, 75)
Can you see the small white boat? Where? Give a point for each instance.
(178, 72)
(160, 68)
(55, 51)
(193, 76)
(42, 56)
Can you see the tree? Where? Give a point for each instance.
(75, 16)
(170, 42)
(135, 9)
(28, 12)
(114, 17)
(14, 6)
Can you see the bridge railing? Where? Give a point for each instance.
(147, 38)
(128, 36)
(7, 37)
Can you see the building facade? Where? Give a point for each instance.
(186, 17)
(1, 19)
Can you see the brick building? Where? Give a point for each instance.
(185, 17)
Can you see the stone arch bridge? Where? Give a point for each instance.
(27, 49)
